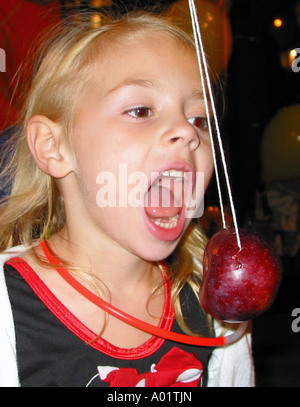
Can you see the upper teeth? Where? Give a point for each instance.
(174, 173)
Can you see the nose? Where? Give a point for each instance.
(182, 134)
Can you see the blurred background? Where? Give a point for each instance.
(253, 47)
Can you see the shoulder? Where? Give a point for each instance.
(10, 253)
(232, 365)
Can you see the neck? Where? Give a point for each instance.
(112, 264)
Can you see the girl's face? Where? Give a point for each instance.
(141, 116)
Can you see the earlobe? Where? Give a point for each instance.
(47, 146)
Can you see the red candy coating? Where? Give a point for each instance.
(238, 285)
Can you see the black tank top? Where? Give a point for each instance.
(53, 348)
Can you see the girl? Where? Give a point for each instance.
(112, 112)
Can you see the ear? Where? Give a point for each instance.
(48, 147)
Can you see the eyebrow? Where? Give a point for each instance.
(146, 83)
(133, 82)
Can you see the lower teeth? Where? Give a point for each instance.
(171, 224)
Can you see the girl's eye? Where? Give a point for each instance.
(199, 122)
(140, 112)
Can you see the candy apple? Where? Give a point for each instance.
(238, 285)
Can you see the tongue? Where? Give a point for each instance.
(161, 203)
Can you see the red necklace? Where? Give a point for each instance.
(129, 319)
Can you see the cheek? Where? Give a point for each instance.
(205, 164)
(104, 183)
(92, 159)
(208, 174)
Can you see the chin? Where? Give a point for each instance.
(151, 250)
(156, 250)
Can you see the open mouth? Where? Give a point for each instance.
(165, 203)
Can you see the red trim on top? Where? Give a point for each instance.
(80, 330)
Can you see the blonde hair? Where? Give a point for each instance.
(34, 210)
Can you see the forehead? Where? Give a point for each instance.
(157, 44)
(154, 55)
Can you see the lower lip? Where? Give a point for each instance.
(163, 234)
